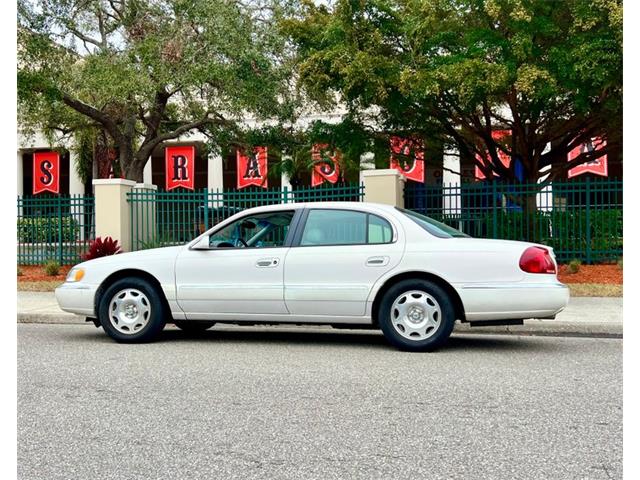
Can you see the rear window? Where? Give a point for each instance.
(432, 226)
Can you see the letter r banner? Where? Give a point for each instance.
(46, 172)
(180, 163)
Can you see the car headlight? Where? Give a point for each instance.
(75, 274)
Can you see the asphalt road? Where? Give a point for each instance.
(301, 404)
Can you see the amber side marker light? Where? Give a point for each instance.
(537, 260)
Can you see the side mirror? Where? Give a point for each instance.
(202, 244)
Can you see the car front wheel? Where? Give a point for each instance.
(132, 311)
(416, 315)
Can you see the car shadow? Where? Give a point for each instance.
(326, 337)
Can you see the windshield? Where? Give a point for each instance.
(432, 226)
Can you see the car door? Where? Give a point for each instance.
(241, 272)
(335, 260)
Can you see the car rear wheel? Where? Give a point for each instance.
(416, 315)
(194, 326)
(132, 311)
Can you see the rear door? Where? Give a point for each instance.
(336, 258)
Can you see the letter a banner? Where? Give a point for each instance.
(407, 156)
(46, 172)
(597, 166)
(180, 163)
(252, 168)
(326, 164)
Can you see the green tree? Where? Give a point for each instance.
(550, 71)
(147, 72)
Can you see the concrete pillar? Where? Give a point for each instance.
(113, 215)
(147, 173)
(215, 178)
(143, 211)
(384, 186)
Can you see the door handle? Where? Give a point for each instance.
(377, 261)
(267, 262)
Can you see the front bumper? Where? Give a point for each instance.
(77, 298)
(513, 301)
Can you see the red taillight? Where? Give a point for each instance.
(537, 260)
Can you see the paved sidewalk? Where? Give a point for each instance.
(589, 316)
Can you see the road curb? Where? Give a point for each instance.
(532, 327)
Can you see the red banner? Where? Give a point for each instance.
(252, 169)
(598, 166)
(326, 164)
(46, 172)
(498, 136)
(407, 156)
(180, 166)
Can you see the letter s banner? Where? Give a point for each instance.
(326, 164)
(407, 156)
(180, 166)
(46, 172)
(252, 168)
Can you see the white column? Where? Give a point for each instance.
(366, 163)
(147, 173)
(285, 182)
(451, 181)
(215, 179)
(20, 174)
(76, 187)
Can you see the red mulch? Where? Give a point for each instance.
(609, 274)
(35, 273)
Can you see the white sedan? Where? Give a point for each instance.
(336, 263)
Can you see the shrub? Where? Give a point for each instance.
(52, 268)
(102, 248)
(574, 266)
(620, 263)
(47, 229)
(19, 271)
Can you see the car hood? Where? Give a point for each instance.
(133, 259)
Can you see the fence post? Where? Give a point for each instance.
(384, 186)
(143, 220)
(285, 192)
(60, 237)
(206, 210)
(494, 195)
(588, 220)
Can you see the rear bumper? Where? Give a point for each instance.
(513, 301)
(76, 298)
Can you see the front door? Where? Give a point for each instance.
(337, 260)
(241, 273)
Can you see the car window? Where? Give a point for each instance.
(255, 231)
(344, 227)
(432, 226)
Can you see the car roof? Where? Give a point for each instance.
(331, 205)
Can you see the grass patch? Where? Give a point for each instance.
(39, 286)
(595, 290)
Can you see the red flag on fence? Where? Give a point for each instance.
(326, 164)
(498, 136)
(180, 163)
(598, 166)
(252, 168)
(46, 172)
(407, 156)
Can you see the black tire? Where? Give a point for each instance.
(193, 326)
(155, 320)
(437, 337)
